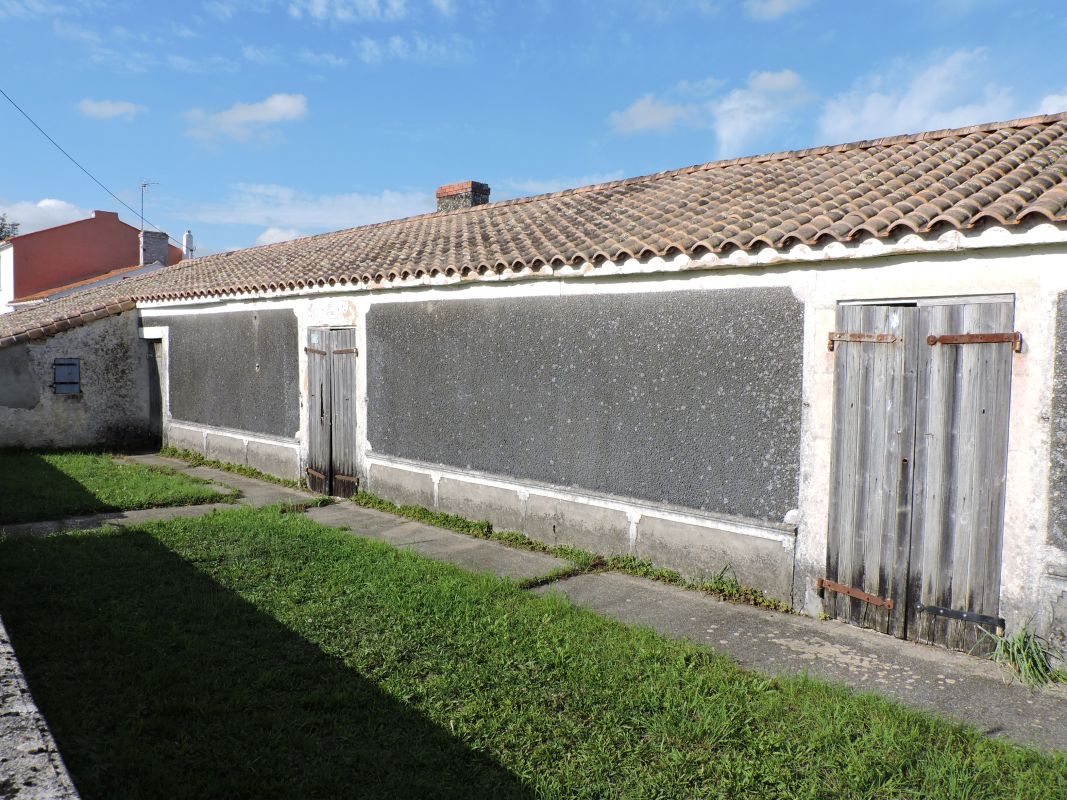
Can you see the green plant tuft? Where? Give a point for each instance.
(194, 459)
(1028, 656)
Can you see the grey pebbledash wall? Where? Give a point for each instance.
(235, 370)
(684, 398)
(112, 409)
(1057, 523)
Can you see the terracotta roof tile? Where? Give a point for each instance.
(1008, 172)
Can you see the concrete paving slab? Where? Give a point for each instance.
(121, 518)
(953, 685)
(155, 460)
(30, 765)
(254, 492)
(477, 555)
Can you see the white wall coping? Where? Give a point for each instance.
(246, 436)
(744, 526)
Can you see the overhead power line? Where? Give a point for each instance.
(75, 162)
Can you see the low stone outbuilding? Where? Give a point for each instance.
(840, 373)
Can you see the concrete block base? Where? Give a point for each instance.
(556, 521)
(402, 486)
(503, 507)
(280, 459)
(699, 549)
(700, 552)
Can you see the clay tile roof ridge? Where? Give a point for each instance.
(781, 155)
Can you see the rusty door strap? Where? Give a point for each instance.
(1014, 337)
(313, 350)
(315, 472)
(859, 594)
(875, 338)
(345, 351)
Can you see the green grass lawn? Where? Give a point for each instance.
(256, 654)
(40, 486)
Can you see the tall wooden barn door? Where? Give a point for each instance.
(920, 433)
(873, 439)
(331, 358)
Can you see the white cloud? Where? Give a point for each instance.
(415, 48)
(947, 93)
(285, 208)
(274, 235)
(321, 59)
(528, 186)
(26, 9)
(202, 65)
(446, 7)
(746, 115)
(769, 10)
(260, 55)
(124, 58)
(1053, 104)
(43, 214)
(242, 120)
(649, 114)
(109, 109)
(739, 119)
(348, 10)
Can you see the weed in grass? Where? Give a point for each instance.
(195, 459)
(723, 585)
(1029, 657)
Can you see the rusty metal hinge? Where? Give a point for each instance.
(346, 478)
(1014, 337)
(315, 351)
(876, 338)
(859, 594)
(315, 472)
(345, 351)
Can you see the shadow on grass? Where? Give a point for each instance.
(32, 490)
(159, 682)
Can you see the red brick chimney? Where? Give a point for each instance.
(462, 195)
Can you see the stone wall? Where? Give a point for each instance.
(113, 408)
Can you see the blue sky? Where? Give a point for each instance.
(261, 120)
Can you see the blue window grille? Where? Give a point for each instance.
(67, 376)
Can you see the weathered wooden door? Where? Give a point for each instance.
(344, 481)
(961, 457)
(331, 356)
(319, 416)
(873, 439)
(920, 433)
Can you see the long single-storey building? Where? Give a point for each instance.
(840, 373)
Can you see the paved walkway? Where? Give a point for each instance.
(953, 685)
(30, 765)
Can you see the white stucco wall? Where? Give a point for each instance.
(7, 276)
(1028, 265)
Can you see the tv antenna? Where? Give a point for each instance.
(144, 188)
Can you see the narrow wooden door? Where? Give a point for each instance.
(961, 455)
(344, 481)
(871, 471)
(319, 411)
(920, 435)
(332, 466)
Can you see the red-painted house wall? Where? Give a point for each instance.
(67, 253)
